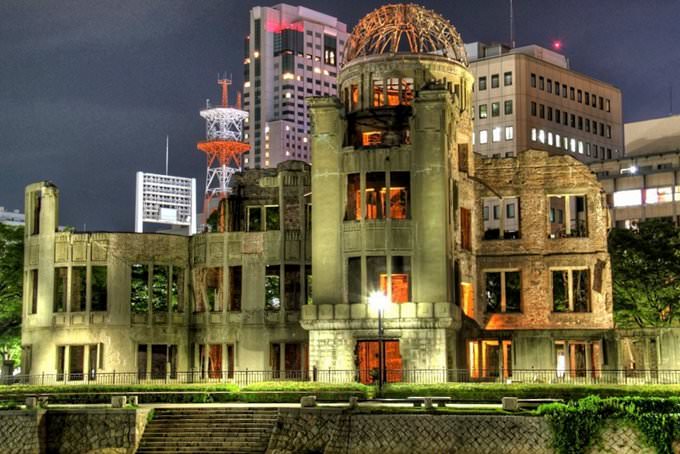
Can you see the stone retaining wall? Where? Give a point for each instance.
(336, 431)
(20, 431)
(77, 430)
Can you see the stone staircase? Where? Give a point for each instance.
(209, 430)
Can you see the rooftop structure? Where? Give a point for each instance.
(653, 136)
(223, 147)
(14, 217)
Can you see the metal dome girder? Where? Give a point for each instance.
(387, 28)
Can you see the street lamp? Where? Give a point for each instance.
(378, 301)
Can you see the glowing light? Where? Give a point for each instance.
(256, 54)
(288, 76)
(378, 301)
(557, 44)
(246, 84)
(317, 70)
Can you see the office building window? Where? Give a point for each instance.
(495, 109)
(541, 83)
(494, 81)
(508, 107)
(533, 80)
(507, 78)
(549, 86)
(483, 136)
(496, 134)
(509, 133)
(483, 111)
(533, 109)
(482, 84)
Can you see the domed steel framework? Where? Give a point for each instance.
(406, 28)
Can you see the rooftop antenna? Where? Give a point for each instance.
(512, 26)
(167, 152)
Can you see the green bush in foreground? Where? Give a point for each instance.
(576, 425)
(493, 392)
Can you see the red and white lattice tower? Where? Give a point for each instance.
(223, 147)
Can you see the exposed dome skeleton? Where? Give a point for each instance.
(390, 27)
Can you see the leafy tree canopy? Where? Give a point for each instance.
(646, 274)
(11, 272)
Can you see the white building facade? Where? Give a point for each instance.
(292, 53)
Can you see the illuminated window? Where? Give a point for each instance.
(659, 195)
(572, 142)
(399, 288)
(467, 299)
(631, 197)
(509, 133)
(399, 195)
(534, 134)
(407, 94)
(580, 147)
(496, 134)
(353, 210)
(550, 138)
(354, 96)
(393, 91)
(483, 136)
(375, 195)
(378, 93)
(483, 112)
(541, 136)
(371, 138)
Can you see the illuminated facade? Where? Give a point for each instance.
(492, 268)
(291, 53)
(530, 98)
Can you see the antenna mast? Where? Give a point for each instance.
(512, 26)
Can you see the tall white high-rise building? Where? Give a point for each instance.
(292, 52)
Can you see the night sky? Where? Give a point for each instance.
(90, 88)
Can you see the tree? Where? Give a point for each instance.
(11, 283)
(646, 274)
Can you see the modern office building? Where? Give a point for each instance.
(646, 182)
(529, 97)
(291, 53)
(15, 217)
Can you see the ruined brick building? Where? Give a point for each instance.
(492, 266)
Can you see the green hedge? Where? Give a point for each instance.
(577, 425)
(270, 392)
(493, 392)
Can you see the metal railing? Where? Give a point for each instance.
(422, 376)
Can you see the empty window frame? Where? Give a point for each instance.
(465, 229)
(567, 216)
(378, 89)
(501, 218)
(292, 287)
(272, 288)
(60, 288)
(213, 289)
(177, 289)
(160, 284)
(98, 292)
(139, 288)
(78, 289)
(463, 153)
(375, 195)
(308, 284)
(354, 279)
(376, 267)
(263, 218)
(503, 291)
(235, 282)
(33, 282)
(353, 207)
(571, 290)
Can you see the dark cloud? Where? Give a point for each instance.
(90, 88)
